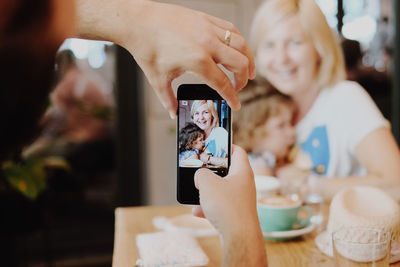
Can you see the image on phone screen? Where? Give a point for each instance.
(203, 139)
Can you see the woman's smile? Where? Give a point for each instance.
(285, 74)
(202, 117)
(202, 123)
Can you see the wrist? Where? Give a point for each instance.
(241, 228)
(134, 16)
(113, 21)
(244, 246)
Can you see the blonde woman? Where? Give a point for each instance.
(204, 115)
(337, 124)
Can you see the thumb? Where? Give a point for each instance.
(204, 177)
(240, 162)
(198, 211)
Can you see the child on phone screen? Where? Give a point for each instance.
(191, 142)
(264, 128)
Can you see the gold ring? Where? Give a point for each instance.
(227, 38)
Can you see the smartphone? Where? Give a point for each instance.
(203, 137)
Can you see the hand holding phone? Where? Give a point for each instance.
(204, 137)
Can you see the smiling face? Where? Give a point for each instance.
(287, 57)
(202, 117)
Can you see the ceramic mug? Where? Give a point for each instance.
(279, 213)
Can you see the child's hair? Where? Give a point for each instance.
(259, 104)
(188, 135)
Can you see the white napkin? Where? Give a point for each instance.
(169, 249)
(198, 227)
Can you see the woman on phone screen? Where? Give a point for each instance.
(205, 116)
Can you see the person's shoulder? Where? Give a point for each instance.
(347, 87)
(187, 153)
(352, 102)
(219, 130)
(347, 91)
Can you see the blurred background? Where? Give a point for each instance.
(108, 142)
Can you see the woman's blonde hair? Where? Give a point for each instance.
(259, 104)
(197, 103)
(331, 68)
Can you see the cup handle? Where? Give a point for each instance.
(305, 222)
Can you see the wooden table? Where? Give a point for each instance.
(131, 221)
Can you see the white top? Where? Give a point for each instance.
(217, 142)
(339, 119)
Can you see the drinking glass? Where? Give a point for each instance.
(315, 199)
(291, 187)
(361, 247)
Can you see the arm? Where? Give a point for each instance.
(230, 205)
(167, 40)
(260, 167)
(379, 154)
(193, 156)
(263, 171)
(216, 161)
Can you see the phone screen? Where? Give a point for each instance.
(204, 132)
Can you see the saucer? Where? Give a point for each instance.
(286, 235)
(191, 163)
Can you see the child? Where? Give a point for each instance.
(191, 142)
(263, 127)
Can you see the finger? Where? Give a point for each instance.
(167, 98)
(198, 211)
(223, 24)
(239, 162)
(217, 79)
(239, 43)
(204, 177)
(207, 183)
(235, 62)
